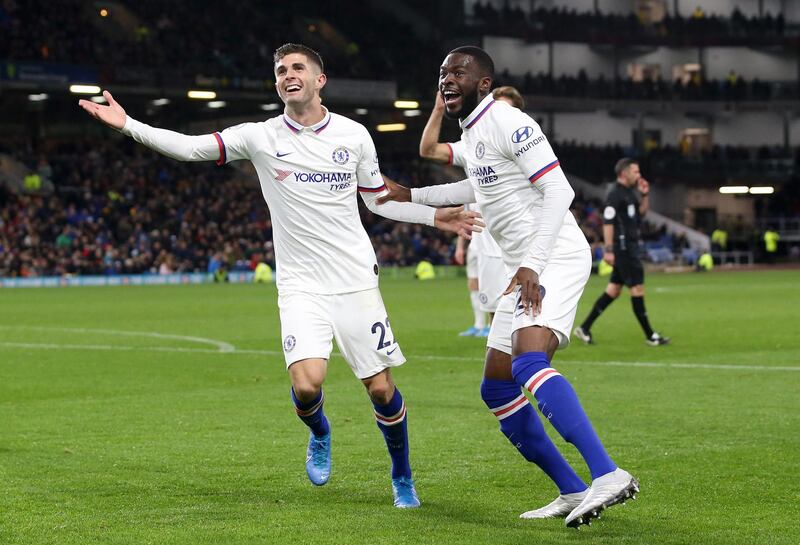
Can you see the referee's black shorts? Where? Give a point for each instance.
(628, 270)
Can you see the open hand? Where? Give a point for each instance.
(530, 296)
(112, 114)
(456, 220)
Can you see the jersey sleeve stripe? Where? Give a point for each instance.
(541, 172)
(222, 155)
(372, 189)
(450, 151)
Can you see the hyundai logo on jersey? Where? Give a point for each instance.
(522, 134)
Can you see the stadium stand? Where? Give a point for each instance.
(662, 90)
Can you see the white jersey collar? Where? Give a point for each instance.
(478, 112)
(316, 127)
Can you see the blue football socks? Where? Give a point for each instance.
(559, 404)
(312, 415)
(520, 423)
(391, 420)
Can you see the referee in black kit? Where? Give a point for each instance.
(621, 216)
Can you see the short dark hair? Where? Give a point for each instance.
(483, 59)
(511, 93)
(624, 163)
(288, 49)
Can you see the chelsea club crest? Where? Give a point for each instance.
(480, 149)
(340, 156)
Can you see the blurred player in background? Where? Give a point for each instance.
(486, 277)
(311, 163)
(525, 197)
(621, 217)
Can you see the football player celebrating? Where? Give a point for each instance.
(310, 163)
(516, 179)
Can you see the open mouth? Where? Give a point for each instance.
(451, 97)
(292, 88)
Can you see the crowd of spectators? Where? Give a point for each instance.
(733, 88)
(561, 23)
(666, 162)
(155, 42)
(118, 208)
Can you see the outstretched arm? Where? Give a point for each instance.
(434, 195)
(454, 220)
(207, 147)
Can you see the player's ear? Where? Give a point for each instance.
(484, 85)
(322, 79)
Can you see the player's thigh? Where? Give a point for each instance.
(306, 326)
(500, 332)
(364, 333)
(492, 282)
(562, 283)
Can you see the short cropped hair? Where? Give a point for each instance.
(624, 163)
(511, 93)
(288, 49)
(483, 59)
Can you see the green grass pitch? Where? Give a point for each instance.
(116, 427)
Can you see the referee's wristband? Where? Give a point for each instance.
(645, 194)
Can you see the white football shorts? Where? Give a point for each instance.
(358, 321)
(562, 280)
(492, 282)
(472, 262)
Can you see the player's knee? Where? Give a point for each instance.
(380, 392)
(637, 290)
(305, 391)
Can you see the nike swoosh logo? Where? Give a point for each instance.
(389, 353)
(279, 154)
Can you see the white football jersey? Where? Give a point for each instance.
(309, 177)
(505, 153)
(481, 242)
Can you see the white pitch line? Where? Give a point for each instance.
(235, 351)
(222, 346)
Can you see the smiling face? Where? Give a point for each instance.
(462, 84)
(297, 80)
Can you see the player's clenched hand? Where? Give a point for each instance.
(643, 186)
(608, 257)
(112, 115)
(438, 104)
(530, 296)
(396, 192)
(456, 220)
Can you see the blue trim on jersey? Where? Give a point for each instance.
(372, 189)
(322, 128)
(471, 123)
(223, 156)
(294, 130)
(544, 170)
